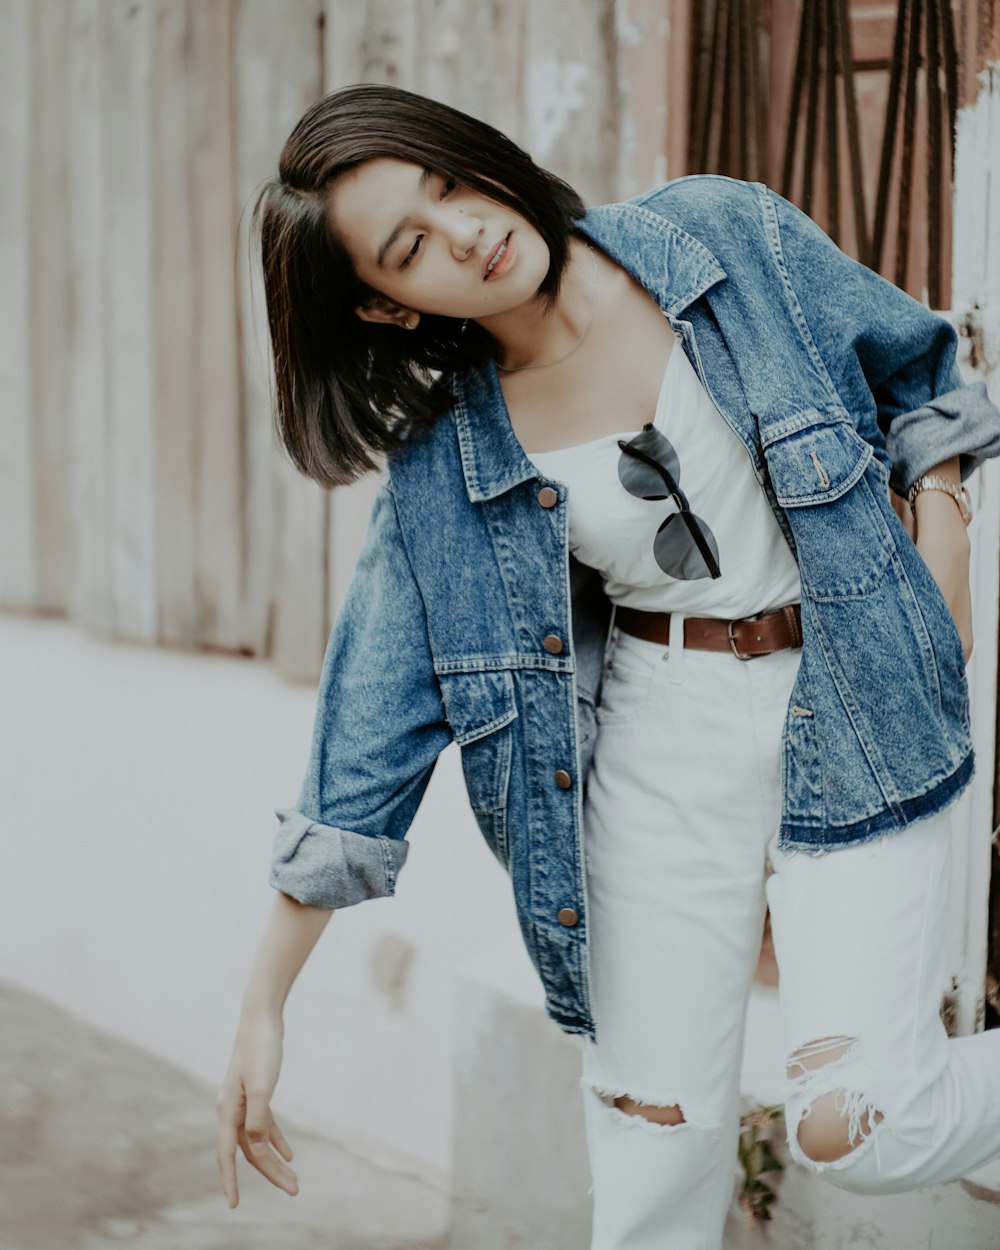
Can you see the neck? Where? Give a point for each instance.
(534, 333)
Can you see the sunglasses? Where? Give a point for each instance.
(684, 547)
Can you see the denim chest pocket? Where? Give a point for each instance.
(480, 708)
(825, 474)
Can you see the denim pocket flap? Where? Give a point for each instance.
(477, 704)
(817, 464)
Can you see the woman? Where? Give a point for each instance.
(687, 409)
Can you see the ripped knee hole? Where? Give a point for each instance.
(656, 1115)
(837, 1121)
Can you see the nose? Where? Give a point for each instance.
(465, 229)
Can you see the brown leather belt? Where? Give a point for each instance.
(746, 638)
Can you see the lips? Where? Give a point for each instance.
(501, 251)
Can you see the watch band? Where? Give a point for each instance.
(934, 481)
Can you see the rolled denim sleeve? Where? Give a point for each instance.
(924, 412)
(379, 728)
(329, 867)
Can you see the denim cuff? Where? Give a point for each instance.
(328, 867)
(963, 422)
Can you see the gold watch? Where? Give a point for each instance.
(934, 481)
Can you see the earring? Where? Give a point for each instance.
(462, 328)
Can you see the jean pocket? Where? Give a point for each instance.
(630, 671)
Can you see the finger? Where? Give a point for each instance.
(270, 1166)
(279, 1142)
(258, 1122)
(225, 1157)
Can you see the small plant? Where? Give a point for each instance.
(757, 1157)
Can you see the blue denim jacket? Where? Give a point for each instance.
(469, 620)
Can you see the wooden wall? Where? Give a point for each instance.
(141, 488)
(142, 492)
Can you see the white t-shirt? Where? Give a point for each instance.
(613, 530)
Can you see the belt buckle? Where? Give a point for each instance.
(730, 625)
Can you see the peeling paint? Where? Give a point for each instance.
(391, 962)
(449, 43)
(555, 92)
(637, 21)
(629, 32)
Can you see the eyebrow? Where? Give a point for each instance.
(425, 175)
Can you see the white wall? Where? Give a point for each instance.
(138, 787)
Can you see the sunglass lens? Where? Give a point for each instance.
(677, 552)
(644, 480)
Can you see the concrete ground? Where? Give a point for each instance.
(103, 1145)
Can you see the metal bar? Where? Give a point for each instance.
(795, 103)
(702, 93)
(842, 35)
(909, 126)
(950, 70)
(812, 110)
(743, 95)
(899, 43)
(760, 92)
(731, 96)
(830, 112)
(713, 119)
(935, 185)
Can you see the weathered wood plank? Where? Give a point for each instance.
(90, 593)
(570, 109)
(976, 285)
(456, 55)
(350, 508)
(48, 232)
(300, 616)
(177, 413)
(647, 36)
(126, 126)
(18, 587)
(492, 86)
(344, 25)
(219, 546)
(371, 41)
(278, 75)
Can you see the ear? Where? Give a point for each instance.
(382, 311)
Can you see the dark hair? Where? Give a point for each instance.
(347, 389)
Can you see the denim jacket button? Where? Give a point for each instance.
(562, 779)
(547, 497)
(552, 643)
(568, 916)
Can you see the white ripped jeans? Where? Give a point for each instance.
(681, 820)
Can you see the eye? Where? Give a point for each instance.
(447, 186)
(412, 252)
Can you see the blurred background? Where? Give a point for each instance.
(167, 585)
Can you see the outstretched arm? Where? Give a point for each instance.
(244, 1111)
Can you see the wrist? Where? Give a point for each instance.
(257, 1008)
(941, 486)
(938, 519)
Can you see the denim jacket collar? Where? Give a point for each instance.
(493, 461)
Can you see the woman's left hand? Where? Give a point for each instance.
(943, 542)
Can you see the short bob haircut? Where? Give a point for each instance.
(347, 390)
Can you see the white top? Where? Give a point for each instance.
(613, 531)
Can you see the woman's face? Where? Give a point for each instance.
(426, 243)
